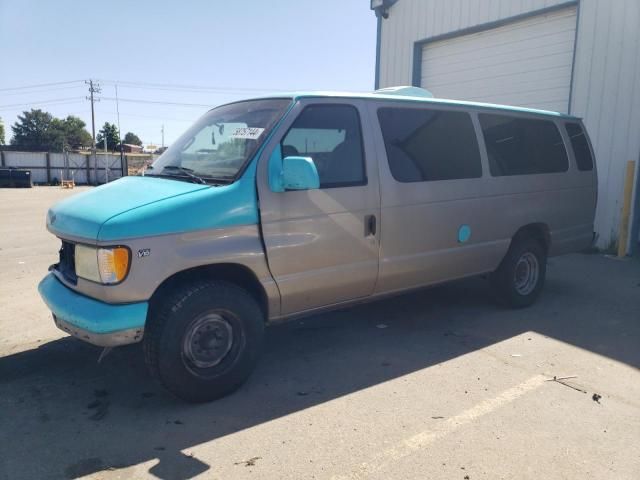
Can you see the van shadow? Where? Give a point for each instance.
(66, 416)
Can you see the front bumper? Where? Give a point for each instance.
(95, 322)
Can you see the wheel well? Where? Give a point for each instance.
(539, 231)
(229, 272)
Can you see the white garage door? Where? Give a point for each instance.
(525, 63)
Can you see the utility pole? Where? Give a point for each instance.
(94, 87)
(122, 165)
(106, 162)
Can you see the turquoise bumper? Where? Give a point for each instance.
(96, 322)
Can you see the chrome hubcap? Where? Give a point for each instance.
(208, 340)
(526, 273)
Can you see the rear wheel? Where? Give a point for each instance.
(519, 279)
(203, 340)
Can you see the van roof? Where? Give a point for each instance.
(410, 96)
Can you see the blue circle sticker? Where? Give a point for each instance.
(464, 233)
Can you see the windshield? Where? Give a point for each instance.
(218, 145)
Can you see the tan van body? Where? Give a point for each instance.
(314, 201)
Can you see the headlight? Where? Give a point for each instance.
(102, 265)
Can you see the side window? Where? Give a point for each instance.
(580, 146)
(425, 145)
(331, 136)
(522, 146)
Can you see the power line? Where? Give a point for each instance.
(42, 102)
(95, 88)
(193, 90)
(45, 90)
(39, 85)
(29, 89)
(157, 117)
(53, 104)
(158, 102)
(174, 86)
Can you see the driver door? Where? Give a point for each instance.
(322, 245)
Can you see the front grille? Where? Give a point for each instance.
(67, 265)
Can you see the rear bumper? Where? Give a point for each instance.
(90, 320)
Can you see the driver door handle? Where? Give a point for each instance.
(369, 225)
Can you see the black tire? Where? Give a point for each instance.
(526, 257)
(203, 340)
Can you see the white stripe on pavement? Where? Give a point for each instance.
(421, 440)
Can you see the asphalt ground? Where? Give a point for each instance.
(437, 384)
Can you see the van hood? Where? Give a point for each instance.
(145, 206)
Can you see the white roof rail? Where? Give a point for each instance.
(406, 91)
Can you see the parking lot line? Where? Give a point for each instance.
(421, 440)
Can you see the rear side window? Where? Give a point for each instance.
(522, 146)
(331, 136)
(427, 145)
(580, 146)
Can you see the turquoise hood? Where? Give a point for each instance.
(145, 206)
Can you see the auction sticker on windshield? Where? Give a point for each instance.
(250, 133)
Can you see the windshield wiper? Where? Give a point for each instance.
(220, 180)
(187, 171)
(189, 174)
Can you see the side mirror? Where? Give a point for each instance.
(299, 173)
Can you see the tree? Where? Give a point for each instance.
(132, 139)
(69, 133)
(1, 132)
(77, 134)
(32, 130)
(40, 131)
(110, 132)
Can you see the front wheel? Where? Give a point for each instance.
(204, 339)
(519, 279)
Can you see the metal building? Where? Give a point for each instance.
(580, 57)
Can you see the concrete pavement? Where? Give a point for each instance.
(437, 384)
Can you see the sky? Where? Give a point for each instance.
(163, 55)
